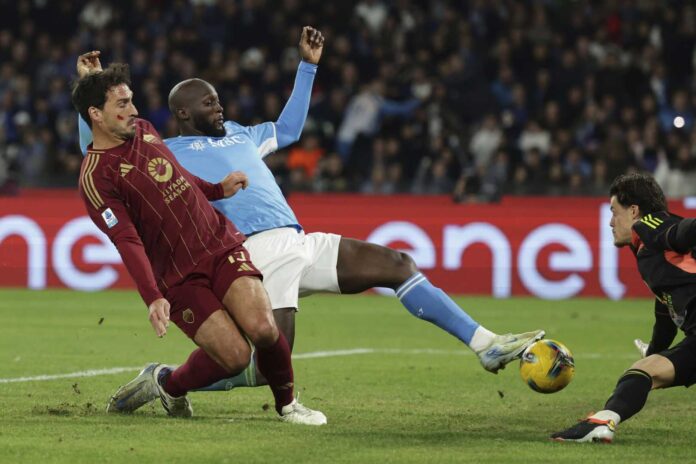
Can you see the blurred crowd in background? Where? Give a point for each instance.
(476, 99)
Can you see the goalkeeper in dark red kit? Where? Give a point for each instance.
(185, 257)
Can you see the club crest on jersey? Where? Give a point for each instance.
(187, 316)
(109, 218)
(197, 146)
(160, 169)
(149, 138)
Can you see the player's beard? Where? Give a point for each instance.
(207, 127)
(126, 134)
(121, 132)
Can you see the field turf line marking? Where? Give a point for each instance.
(89, 373)
(310, 355)
(355, 351)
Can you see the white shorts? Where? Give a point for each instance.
(294, 264)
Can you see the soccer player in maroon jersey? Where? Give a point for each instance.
(186, 258)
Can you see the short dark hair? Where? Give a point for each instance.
(639, 189)
(91, 90)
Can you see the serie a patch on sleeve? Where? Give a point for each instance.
(109, 218)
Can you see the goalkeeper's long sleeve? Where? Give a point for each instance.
(682, 236)
(664, 330)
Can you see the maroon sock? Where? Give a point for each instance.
(199, 370)
(275, 364)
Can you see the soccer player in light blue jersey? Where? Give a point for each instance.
(295, 264)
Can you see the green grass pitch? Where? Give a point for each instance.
(414, 395)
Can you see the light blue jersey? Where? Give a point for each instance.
(261, 206)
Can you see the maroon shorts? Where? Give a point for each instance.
(201, 294)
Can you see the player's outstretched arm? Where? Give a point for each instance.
(211, 191)
(132, 252)
(88, 63)
(664, 330)
(682, 237)
(84, 133)
(291, 120)
(110, 215)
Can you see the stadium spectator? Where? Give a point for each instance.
(485, 141)
(610, 81)
(306, 155)
(363, 114)
(330, 177)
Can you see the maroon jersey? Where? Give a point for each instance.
(154, 211)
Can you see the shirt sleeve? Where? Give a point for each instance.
(264, 137)
(110, 215)
(655, 229)
(294, 115)
(271, 136)
(664, 330)
(85, 134)
(682, 236)
(211, 191)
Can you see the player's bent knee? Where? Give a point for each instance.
(660, 369)
(402, 265)
(235, 358)
(649, 363)
(263, 332)
(407, 263)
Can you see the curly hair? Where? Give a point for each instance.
(91, 90)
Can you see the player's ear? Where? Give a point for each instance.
(182, 114)
(95, 114)
(635, 212)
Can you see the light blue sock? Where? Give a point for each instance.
(427, 302)
(246, 378)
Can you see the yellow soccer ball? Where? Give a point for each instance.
(547, 366)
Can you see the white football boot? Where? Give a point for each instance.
(506, 348)
(296, 413)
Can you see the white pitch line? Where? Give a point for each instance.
(310, 355)
(89, 373)
(329, 354)
(354, 351)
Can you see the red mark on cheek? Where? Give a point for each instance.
(120, 118)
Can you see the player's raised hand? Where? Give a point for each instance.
(233, 182)
(311, 45)
(642, 346)
(88, 63)
(159, 316)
